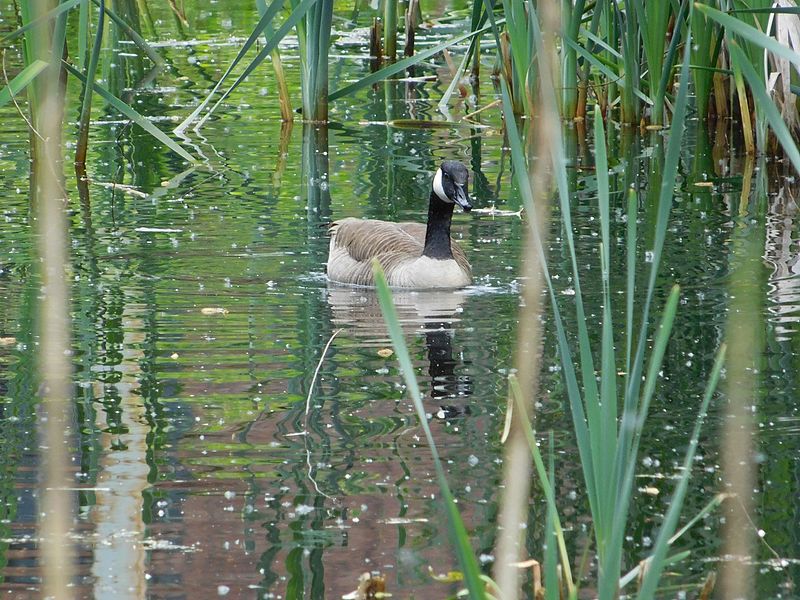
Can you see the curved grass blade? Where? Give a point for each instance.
(403, 64)
(579, 419)
(466, 558)
(45, 18)
(750, 33)
(657, 562)
(478, 19)
(133, 115)
(545, 480)
(264, 22)
(21, 81)
(710, 505)
(290, 22)
(765, 104)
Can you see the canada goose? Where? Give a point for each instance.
(412, 255)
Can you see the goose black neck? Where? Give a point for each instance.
(437, 236)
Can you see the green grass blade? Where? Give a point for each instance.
(86, 105)
(750, 33)
(597, 40)
(133, 115)
(666, 69)
(607, 71)
(764, 103)
(478, 20)
(552, 584)
(666, 193)
(545, 480)
(613, 560)
(403, 64)
(466, 558)
(45, 18)
(607, 478)
(579, 419)
(82, 56)
(656, 567)
(630, 240)
(21, 81)
(264, 22)
(295, 16)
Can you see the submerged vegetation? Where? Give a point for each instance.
(556, 66)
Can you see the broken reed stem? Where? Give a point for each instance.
(515, 492)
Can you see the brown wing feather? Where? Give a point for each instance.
(365, 239)
(391, 243)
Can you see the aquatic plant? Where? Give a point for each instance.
(53, 23)
(608, 413)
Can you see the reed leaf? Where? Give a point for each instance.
(22, 80)
(657, 559)
(579, 419)
(750, 33)
(45, 18)
(263, 23)
(86, 104)
(764, 103)
(545, 480)
(403, 64)
(459, 536)
(134, 116)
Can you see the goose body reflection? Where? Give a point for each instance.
(432, 312)
(412, 255)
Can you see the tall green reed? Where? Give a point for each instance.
(608, 440)
(473, 579)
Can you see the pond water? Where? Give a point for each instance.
(209, 459)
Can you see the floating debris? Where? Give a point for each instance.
(492, 211)
(157, 230)
(421, 124)
(449, 577)
(369, 587)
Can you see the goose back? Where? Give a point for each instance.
(398, 248)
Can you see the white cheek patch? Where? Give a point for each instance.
(437, 186)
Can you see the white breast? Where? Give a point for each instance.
(428, 273)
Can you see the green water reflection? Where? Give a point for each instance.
(201, 309)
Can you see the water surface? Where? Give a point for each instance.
(206, 462)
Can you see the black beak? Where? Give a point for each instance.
(462, 199)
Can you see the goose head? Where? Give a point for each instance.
(450, 184)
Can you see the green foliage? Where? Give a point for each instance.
(50, 29)
(458, 533)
